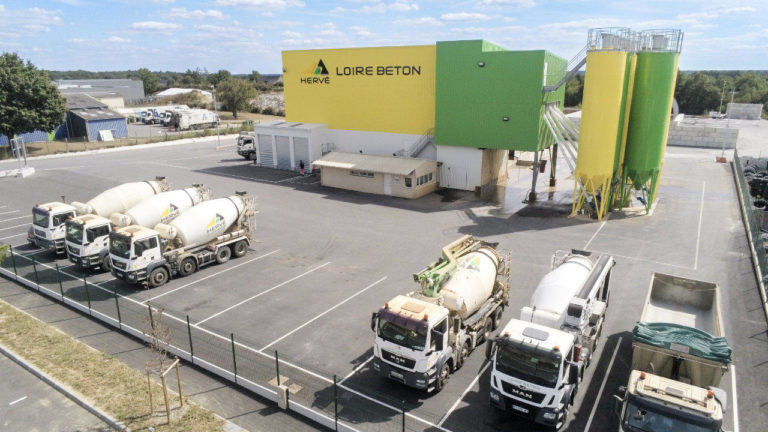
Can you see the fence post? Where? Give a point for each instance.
(87, 293)
(403, 416)
(117, 305)
(335, 405)
(13, 260)
(191, 348)
(234, 358)
(277, 367)
(58, 276)
(34, 267)
(151, 320)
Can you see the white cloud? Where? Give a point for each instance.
(117, 39)
(291, 34)
(502, 3)
(155, 26)
(183, 13)
(210, 28)
(263, 4)
(26, 22)
(162, 1)
(381, 7)
(742, 9)
(423, 21)
(360, 31)
(465, 16)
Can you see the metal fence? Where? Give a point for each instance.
(755, 219)
(321, 397)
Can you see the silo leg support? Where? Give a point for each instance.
(553, 167)
(532, 195)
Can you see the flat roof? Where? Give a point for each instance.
(372, 163)
(281, 124)
(89, 114)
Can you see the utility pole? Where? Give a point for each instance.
(218, 137)
(722, 95)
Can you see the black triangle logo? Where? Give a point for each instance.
(321, 70)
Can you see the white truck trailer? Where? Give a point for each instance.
(423, 336)
(539, 359)
(48, 229)
(209, 232)
(87, 236)
(679, 357)
(193, 119)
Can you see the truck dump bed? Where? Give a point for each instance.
(685, 302)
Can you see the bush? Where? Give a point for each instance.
(268, 111)
(255, 109)
(280, 113)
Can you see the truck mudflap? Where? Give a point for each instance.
(541, 415)
(419, 380)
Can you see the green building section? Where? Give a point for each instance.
(489, 97)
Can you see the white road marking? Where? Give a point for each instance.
(16, 218)
(15, 226)
(602, 386)
(329, 310)
(643, 259)
(698, 232)
(9, 212)
(469, 387)
(11, 236)
(212, 275)
(17, 401)
(263, 292)
(3, 206)
(735, 404)
(357, 368)
(594, 235)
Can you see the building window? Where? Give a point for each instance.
(430, 176)
(357, 173)
(407, 182)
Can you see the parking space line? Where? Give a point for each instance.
(735, 402)
(357, 368)
(15, 226)
(698, 232)
(466, 390)
(11, 236)
(602, 386)
(262, 293)
(16, 218)
(9, 212)
(643, 259)
(594, 235)
(329, 310)
(212, 275)
(17, 401)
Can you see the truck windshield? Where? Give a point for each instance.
(74, 233)
(40, 217)
(402, 330)
(529, 364)
(646, 419)
(120, 245)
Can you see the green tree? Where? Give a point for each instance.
(697, 93)
(28, 99)
(574, 90)
(219, 77)
(255, 76)
(149, 79)
(236, 94)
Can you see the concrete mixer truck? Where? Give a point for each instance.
(87, 236)
(424, 336)
(539, 359)
(48, 230)
(679, 357)
(209, 232)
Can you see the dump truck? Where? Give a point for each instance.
(48, 229)
(539, 359)
(87, 236)
(193, 119)
(425, 335)
(212, 231)
(246, 145)
(679, 357)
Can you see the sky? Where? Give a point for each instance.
(246, 35)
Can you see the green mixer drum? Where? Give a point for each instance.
(654, 89)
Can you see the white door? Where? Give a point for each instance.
(387, 184)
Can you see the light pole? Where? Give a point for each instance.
(216, 110)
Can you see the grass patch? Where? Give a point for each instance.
(110, 384)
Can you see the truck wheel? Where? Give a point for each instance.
(564, 417)
(158, 277)
(462, 356)
(187, 266)
(106, 263)
(240, 248)
(487, 329)
(497, 318)
(442, 377)
(223, 254)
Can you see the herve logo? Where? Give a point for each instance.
(171, 212)
(318, 74)
(215, 223)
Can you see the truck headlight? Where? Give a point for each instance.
(495, 396)
(432, 371)
(420, 382)
(549, 415)
(376, 366)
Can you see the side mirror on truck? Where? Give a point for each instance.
(490, 348)
(573, 373)
(618, 401)
(374, 316)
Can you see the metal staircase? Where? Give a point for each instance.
(420, 144)
(574, 66)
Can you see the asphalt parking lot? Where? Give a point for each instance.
(325, 259)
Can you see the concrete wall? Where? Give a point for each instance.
(375, 143)
(692, 135)
(744, 111)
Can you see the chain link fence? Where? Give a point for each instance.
(318, 396)
(752, 184)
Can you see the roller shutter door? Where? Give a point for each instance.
(265, 151)
(283, 149)
(301, 153)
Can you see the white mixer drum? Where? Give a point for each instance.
(472, 283)
(208, 220)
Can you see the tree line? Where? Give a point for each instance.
(699, 92)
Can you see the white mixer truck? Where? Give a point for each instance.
(539, 359)
(423, 336)
(87, 236)
(679, 357)
(209, 232)
(48, 230)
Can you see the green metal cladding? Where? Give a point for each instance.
(480, 84)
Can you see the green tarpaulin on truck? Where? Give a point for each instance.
(699, 343)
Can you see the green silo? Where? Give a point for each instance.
(654, 87)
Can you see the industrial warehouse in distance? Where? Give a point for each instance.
(487, 221)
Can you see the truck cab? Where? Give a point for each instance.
(246, 145)
(411, 344)
(659, 404)
(47, 230)
(536, 371)
(135, 251)
(87, 240)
